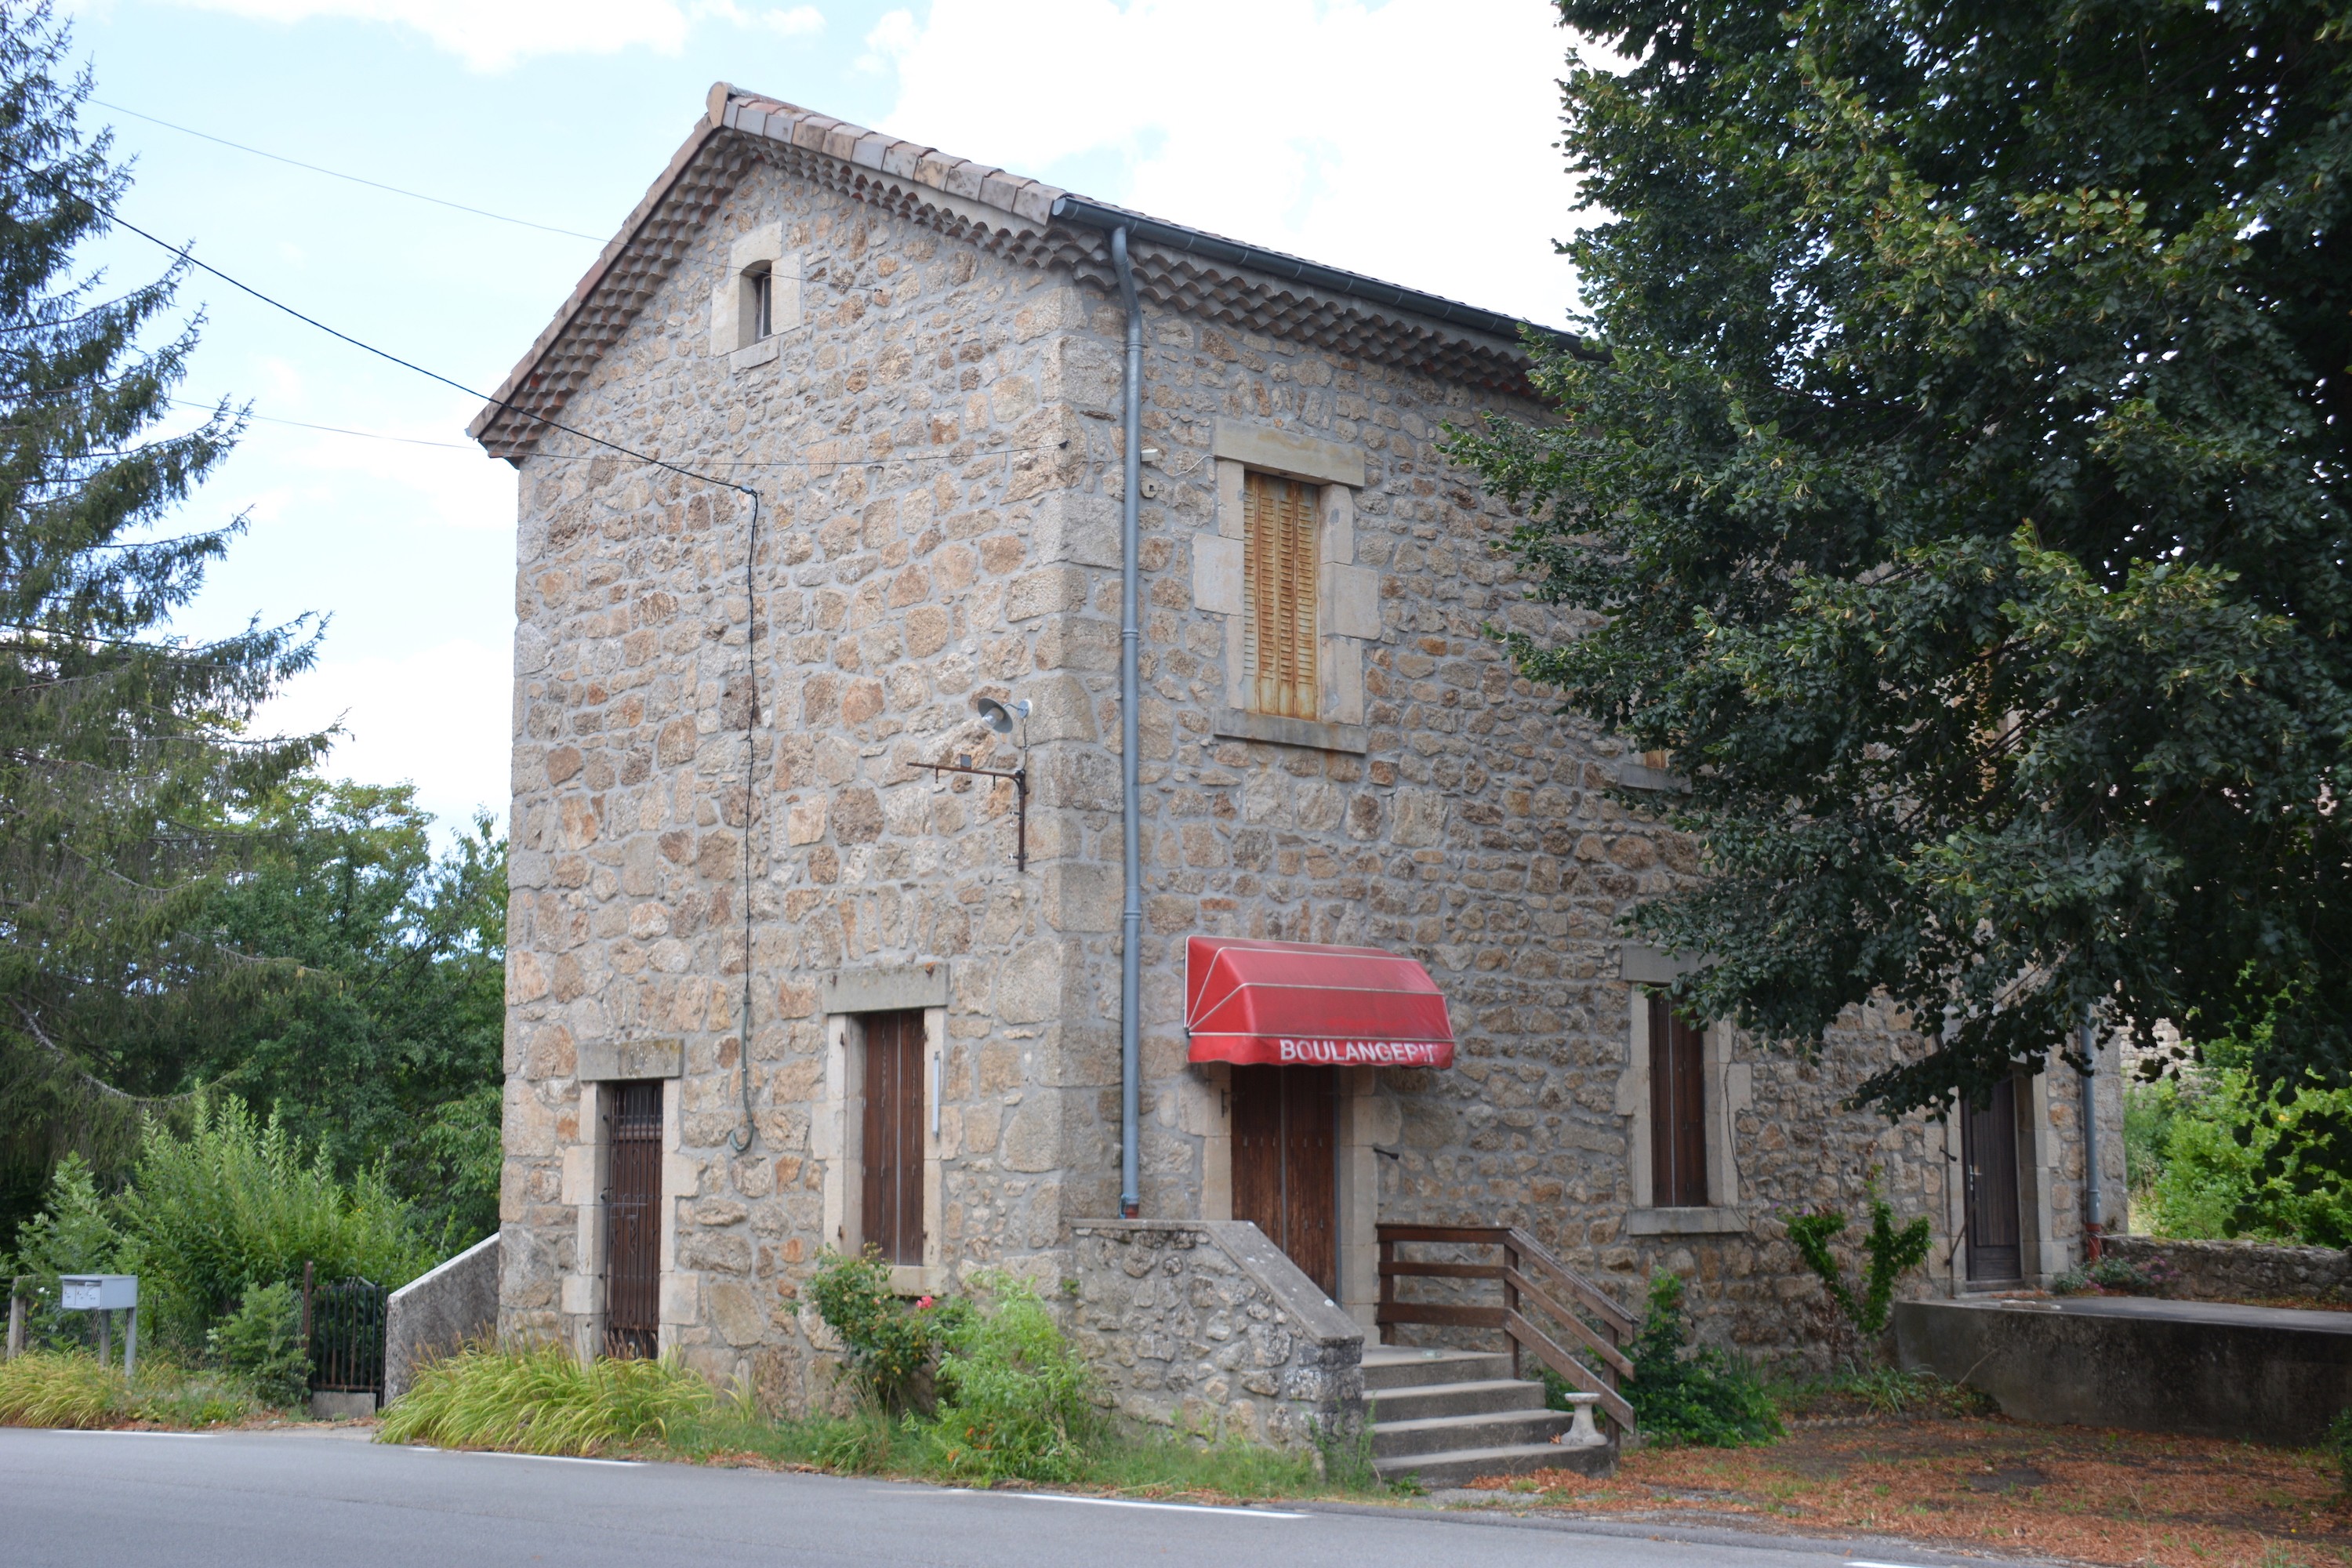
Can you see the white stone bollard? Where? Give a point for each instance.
(1581, 1432)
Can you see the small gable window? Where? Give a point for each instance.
(760, 286)
(1278, 592)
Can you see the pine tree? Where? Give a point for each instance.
(1954, 481)
(124, 752)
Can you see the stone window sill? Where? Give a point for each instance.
(758, 353)
(918, 1280)
(1234, 724)
(1685, 1222)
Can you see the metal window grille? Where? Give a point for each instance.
(632, 1133)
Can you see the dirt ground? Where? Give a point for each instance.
(1992, 1483)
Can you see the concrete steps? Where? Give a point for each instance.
(1450, 1417)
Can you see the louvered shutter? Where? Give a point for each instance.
(1278, 581)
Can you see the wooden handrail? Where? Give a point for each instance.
(1532, 1278)
(1583, 1290)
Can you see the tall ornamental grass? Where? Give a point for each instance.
(70, 1388)
(543, 1400)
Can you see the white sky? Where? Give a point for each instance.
(1411, 140)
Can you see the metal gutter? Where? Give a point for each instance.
(1131, 745)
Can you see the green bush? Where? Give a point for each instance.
(2239, 1160)
(239, 1202)
(261, 1342)
(1888, 1254)
(891, 1341)
(71, 1234)
(543, 1400)
(2340, 1449)
(1685, 1394)
(1012, 1393)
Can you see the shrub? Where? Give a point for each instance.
(2239, 1160)
(71, 1234)
(2114, 1274)
(1012, 1393)
(2339, 1447)
(891, 1341)
(543, 1400)
(1685, 1394)
(261, 1342)
(1888, 1254)
(237, 1203)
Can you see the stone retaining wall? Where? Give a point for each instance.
(1206, 1328)
(435, 1313)
(2241, 1270)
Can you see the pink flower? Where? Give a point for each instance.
(924, 1305)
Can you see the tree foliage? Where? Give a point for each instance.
(124, 752)
(381, 1040)
(1953, 482)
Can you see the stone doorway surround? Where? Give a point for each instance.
(1370, 1123)
(586, 1171)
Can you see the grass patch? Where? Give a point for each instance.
(906, 1447)
(1879, 1391)
(70, 1389)
(543, 1400)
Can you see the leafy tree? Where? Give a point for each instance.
(1953, 482)
(123, 750)
(382, 1045)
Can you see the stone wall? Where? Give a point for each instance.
(1205, 1328)
(2241, 1270)
(455, 1305)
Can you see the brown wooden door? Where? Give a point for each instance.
(632, 1146)
(892, 1211)
(1988, 1151)
(1677, 1109)
(1285, 1122)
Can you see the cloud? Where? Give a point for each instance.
(438, 717)
(894, 37)
(492, 34)
(1413, 140)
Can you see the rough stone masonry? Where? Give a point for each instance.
(717, 736)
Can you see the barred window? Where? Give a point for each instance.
(1279, 585)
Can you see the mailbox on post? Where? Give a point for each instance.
(106, 1294)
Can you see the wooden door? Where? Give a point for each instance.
(633, 1147)
(1286, 1123)
(1677, 1109)
(891, 1215)
(1988, 1153)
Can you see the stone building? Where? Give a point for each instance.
(827, 447)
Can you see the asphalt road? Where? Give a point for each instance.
(106, 1500)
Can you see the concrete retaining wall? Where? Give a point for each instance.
(2262, 1375)
(1205, 1327)
(2241, 1270)
(439, 1312)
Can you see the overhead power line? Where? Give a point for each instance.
(354, 179)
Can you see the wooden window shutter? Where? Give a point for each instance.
(1677, 1109)
(1279, 583)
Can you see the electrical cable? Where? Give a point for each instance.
(339, 174)
(750, 600)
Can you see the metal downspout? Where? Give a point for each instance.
(1130, 919)
(2094, 1212)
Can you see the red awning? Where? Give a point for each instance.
(1277, 1002)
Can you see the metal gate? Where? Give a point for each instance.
(632, 1132)
(342, 1322)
